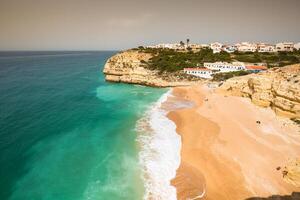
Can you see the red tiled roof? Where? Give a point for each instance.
(255, 67)
(197, 69)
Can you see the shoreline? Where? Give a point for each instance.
(159, 155)
(225, 153)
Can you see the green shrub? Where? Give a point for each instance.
(226, 75)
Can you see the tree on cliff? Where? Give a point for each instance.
(181, 43)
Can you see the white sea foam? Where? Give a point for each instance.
(160, 152)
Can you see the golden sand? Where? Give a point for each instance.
(231, 149)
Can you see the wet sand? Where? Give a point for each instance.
(225, 153)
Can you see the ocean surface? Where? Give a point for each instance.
(65, 133)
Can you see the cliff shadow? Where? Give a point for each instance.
(293, 196)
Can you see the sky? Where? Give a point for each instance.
(122, 24)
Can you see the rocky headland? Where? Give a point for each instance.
(129, 67)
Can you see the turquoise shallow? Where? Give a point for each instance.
(66, 134)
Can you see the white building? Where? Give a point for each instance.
(177, 46)
(199, 71)
(167, 46)
(195, 47)
(246, 47)
(263, 47)
(297, 46)
(229, 48)
(216, 47)
(204, 45)
(285, 46)
(225, 66)
(210, 69)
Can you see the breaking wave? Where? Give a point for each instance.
(160, 151)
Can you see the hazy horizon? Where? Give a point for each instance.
(115, 25)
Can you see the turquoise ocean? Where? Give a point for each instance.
(65, 133)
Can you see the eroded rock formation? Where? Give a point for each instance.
(278, 88)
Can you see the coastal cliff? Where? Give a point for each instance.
(278, 88)
(129, 67)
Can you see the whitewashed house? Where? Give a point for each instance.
(263, 47)
(216, 47)
(229, 48)
(225, 66)
(195, 47)
(285, 46)
(246, 47)
(167, 46)
(200, 72)
(297, 46)
(204, 45)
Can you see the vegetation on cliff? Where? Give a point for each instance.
(227, 75)
(276, 59)
(170, 60)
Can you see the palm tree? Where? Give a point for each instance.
(187, 42)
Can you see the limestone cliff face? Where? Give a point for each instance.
(291, 172)
(128, 67)
(278, 88)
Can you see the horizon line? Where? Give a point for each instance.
(29, 50)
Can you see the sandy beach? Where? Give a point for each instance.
(231, 149)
